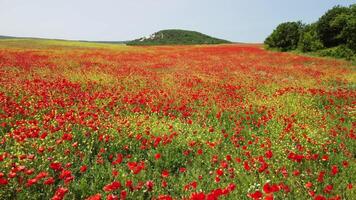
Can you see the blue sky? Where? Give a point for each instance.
(235, 20)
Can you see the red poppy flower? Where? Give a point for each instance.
(56, 166)
(83, 168)
(112, 197)
(157, 156)
(165, 173)
(3, 181)
(149, 185)
(328, 188)
(269, 154)
(60, 193)
(112, 186)
(49, 181)
(334, 170)
(197, 196)
(94, 197)
(256, 195)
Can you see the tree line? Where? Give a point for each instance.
(334, 34)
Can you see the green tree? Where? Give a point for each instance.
(349, 31)
(309, 40)
(331, 25)
(285, 37)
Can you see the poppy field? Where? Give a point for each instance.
(103, 121)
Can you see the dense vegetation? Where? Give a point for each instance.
(334, 34)
(177, 37)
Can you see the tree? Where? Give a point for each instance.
(285, 37)
(309, 40)
(330, 26)
(349, 32)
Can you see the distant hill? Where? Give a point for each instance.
(5, 37)
(37, 38)
(177, 37)
(164, 37)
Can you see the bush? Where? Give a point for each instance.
(285, 37)
(309, 40)
(341, 51)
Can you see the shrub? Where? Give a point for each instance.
(341, 51)
(285, 37)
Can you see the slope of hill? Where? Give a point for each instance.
(5, 37)
(177, 37)
(51, 39)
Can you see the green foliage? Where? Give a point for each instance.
(177, 37)
(349, 32)
(341, 51)
(330, 26)
(334, 34)
(285, 37)
(309, 40)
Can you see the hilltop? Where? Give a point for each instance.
(177, 37)
(163, 37)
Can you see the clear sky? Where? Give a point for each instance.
(235, 20)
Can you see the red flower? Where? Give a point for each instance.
(217, 179)
(164, 197)
(256, 195)
(165, 173)
(269, 154)
(118, 159)
(112, 186)
(319, 197)
(182, 170)
(309, 185)
(136, 167)
(83, 168)
(32, 181)
(345, 163)
(123, 194)
(247, 166)
(65, 174)
(49, 181)
(94, 197)
(157, 156)
(67, 136)
(149, 185)
(200, 152)
(231, 187)
(112, 197)
(219, 172)
(321, 176)
(41, 175)
(269, 197)
(328, 188)
(325, 158)
(129, 184)
(164, 184)
(268, 188)
(334, 170)
(349, 186)
(263, 167)
(3, 181)
(56, 166)
(296, 172)
(59, 194)
(197, 196)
